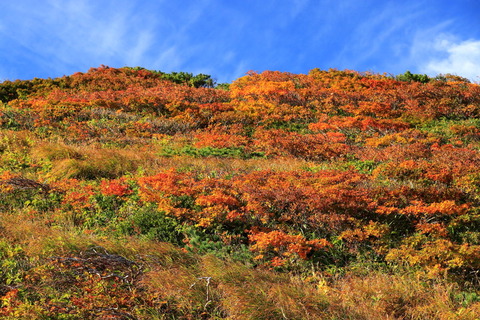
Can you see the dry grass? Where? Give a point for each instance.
(89, 161)
(237, 291)
(223, 167)
(262, 294)
(383, 296)
(93, 161)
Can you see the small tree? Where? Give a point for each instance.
(409, 77)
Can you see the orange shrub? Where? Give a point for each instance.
(279, 246)
(277, 142)
(116, 187)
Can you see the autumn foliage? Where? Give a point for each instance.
(133, 194)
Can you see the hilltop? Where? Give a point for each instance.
(136, 194)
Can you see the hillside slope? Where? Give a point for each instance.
(133, 194)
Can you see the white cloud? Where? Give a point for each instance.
(453, 56)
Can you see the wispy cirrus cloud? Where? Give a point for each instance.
(58, 35)
(376, 36)
(113, 32)
(227, 38)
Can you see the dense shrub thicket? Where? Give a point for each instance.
(135, 194)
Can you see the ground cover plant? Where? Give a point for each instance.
(134, 194)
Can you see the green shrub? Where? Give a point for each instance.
(205, 152)
(409, 77)
(153, 224)
(202, 242)
(13, 264)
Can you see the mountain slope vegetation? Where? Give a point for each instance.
(134, 194)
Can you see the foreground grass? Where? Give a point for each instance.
(52, 272)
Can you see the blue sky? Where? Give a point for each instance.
(227, 38)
